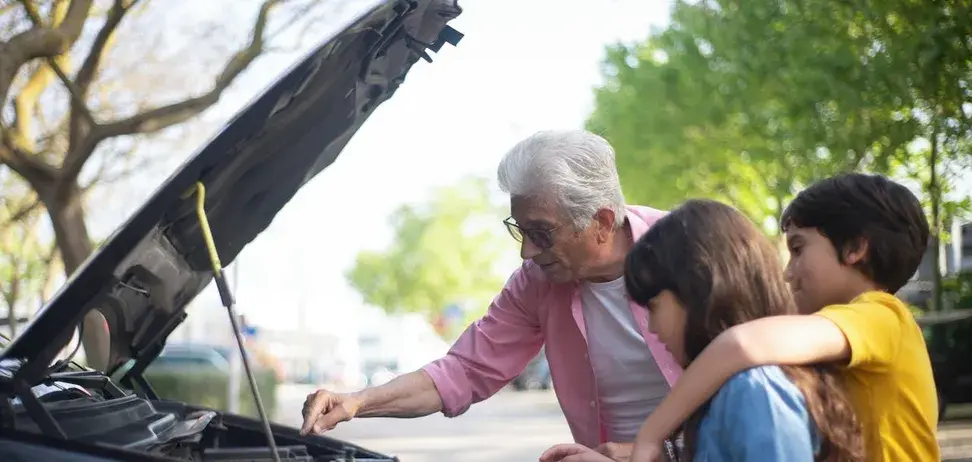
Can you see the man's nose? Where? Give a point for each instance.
(528, 249)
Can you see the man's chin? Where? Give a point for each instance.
(556, 273)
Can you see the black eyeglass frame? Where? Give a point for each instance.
(542, 238)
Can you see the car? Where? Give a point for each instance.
(145, 274)
(192, 357)
(948, 335)
(535, 376)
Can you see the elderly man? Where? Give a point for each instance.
(569, 215)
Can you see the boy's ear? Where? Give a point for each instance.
(856, 252)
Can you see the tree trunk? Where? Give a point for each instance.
(71, 233)
(12, 299)
(934, 188)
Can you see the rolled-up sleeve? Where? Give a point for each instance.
(493, 350)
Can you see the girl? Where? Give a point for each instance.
(699, 271)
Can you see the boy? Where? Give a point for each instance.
(854, 240)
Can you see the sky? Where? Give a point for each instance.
(522, 66)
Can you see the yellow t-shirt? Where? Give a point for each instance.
(889, 378)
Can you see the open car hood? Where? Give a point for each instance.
(147, 272)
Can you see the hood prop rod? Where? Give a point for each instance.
(226, 296)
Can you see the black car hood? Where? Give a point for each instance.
(147, 272)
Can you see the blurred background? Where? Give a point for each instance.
(381, 260)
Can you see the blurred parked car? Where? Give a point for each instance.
(536, 375)
(191, 357)
(949, 339)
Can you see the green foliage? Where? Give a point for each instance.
(443, 252)
(958, 290)
(208, 389)
(748, 102)
(24, 260)
(953, 338)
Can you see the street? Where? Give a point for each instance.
(511, 426)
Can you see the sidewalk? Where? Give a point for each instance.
(955, 439)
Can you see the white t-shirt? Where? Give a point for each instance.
(629, 383)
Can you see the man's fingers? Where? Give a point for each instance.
(560, 451)
(318, 405)
(330, 419)
(586, 457)
(307, 404)
(616, 451)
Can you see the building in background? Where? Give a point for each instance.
(393, 344)
(955, 256)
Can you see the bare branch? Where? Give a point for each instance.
(21, 214)
(78, 106)
(77, 98)
(80, 126)
(42, 42)
(27, 165)
(157, 119)
(90, 66)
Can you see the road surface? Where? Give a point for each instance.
(511, 426)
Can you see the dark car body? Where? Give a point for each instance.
(145, 274)
(949, 339)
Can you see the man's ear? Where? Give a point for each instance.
(604, 220)
(856, 251)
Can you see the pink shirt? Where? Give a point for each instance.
(531, 312)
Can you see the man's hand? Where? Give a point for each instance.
(618, 452)
(323, 410)
(572, 453)
(646, 451)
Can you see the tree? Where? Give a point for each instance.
(443, 252)
(24, 259)
(743, 102)
(58, 115)
(751, 101)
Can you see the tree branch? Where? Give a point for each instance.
(79, 105)
(42, 42)
(27, 165)
(89, 70)
(21, 214)
(91, 63)
(163, 117)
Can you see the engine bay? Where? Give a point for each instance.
(109, 416)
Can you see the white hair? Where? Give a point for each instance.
(573, 167)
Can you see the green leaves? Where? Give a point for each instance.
(748, 102)
(443, 252)
(25, 259)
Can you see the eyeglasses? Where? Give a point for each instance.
(542, 238)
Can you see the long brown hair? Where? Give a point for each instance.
(725, 272)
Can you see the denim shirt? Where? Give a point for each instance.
(758, 415)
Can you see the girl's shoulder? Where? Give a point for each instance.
(762, 386)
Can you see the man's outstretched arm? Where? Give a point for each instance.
(485, 358)
(775, 340)
(408, 395)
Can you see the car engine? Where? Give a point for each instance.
(107, 416)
